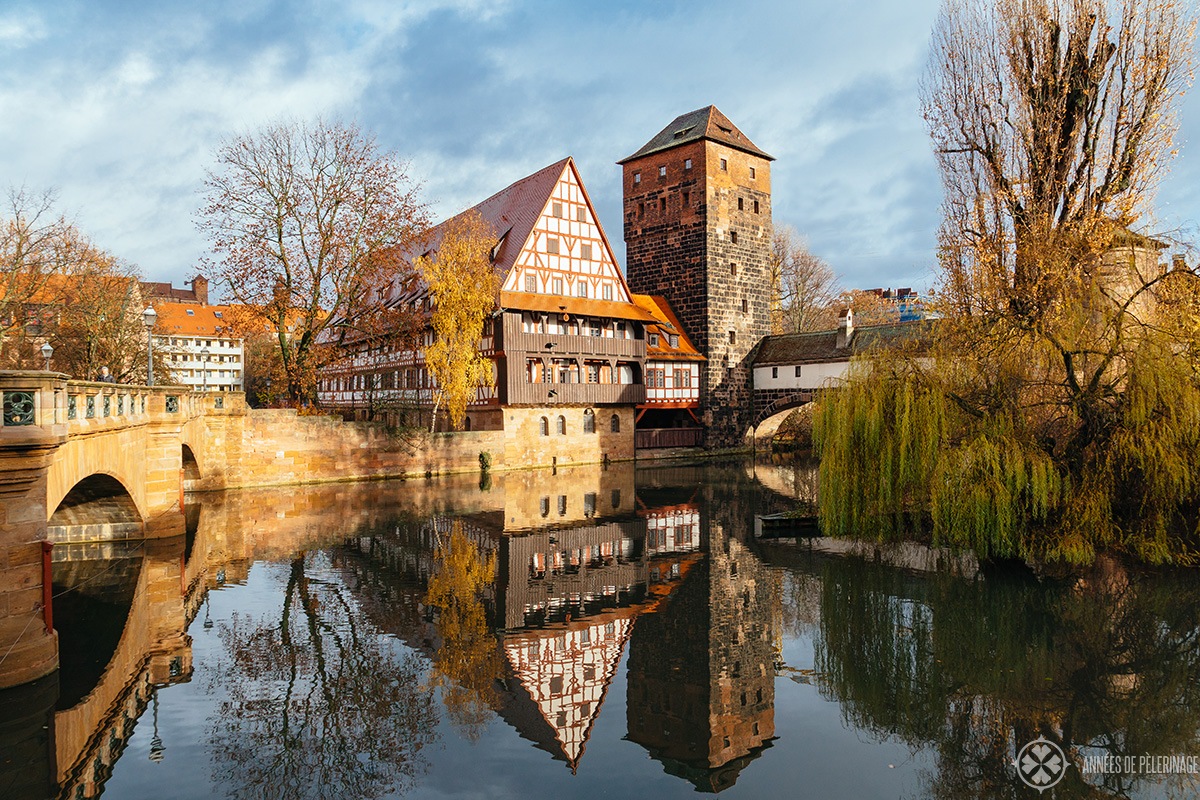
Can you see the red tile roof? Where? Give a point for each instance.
(665, 325)
(703, 123)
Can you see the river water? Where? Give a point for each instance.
(589, 633)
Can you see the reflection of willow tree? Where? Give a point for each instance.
(467, 663)
(319, 704)
(976, 670)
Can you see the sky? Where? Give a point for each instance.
(119, 107)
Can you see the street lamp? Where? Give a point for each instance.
(47, 351)
(149, 317)
(204, 355)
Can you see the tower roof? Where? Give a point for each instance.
(703, 123)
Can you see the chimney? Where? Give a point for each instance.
(845, 329)
(200, 289)
(1179, 262)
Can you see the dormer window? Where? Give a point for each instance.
(191, 313)
(674, 340)
(654, 340)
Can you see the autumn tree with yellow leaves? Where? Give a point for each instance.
(463, 288)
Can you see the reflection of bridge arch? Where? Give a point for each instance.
(776, 409)
(97, 507)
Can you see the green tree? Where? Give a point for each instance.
(303, 218)
(464, 289)
(1050, 415)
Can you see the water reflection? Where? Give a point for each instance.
(386, 639)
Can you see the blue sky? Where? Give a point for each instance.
(119, 107)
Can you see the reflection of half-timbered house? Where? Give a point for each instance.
(567, 339)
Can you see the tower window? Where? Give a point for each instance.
(557, 210)
(641, 210)
(724, 165)
(740, 204)
(745, 305)
(733, 337)
(687, 163)
(662, 172)
(755, 206)
(687, 198)
(733, 269)
(732, 237)
(551, 245)
(637, 177)
(752, 173)
(662, 204)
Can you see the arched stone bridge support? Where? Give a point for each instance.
(771, 408)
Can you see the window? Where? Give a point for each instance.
(614, 425)
(724, 165)
(551, 245)
(219, 315)
(594, 327)
(589, 504)
(662, 172)
(774, 372)
(531, 283)
(673, 339)
(740, 204)
(687, 199)
(585, 252)
(589, 416)
(545, 504)
(683, 378)
(622, 333)
(581, 289)
(562, 426)
(654, 340)
(637, 177)
(608, 291)
(545, 427)
(562, 502)
(732, 237)
(593, 376)
(558, 286)
(755, 206)
(797, 372)
(581, 213)
(687, 163)
(556, 209)
(745, 306)
(733, 269)
(641, 210)
(191, 313)
(662, 204)
(752, 173)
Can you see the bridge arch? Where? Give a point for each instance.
(191, 468)
(768, 419)
(97, 508)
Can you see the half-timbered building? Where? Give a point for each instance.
(567, 339)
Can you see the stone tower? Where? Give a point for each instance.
(698, 231)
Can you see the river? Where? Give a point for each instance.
(592, 632)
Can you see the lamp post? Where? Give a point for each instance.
(204, 355)
(149, 317)
(47, 351)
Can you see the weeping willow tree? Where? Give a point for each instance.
(1053, 412)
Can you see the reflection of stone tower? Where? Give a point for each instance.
(698, 232)
(701, 694)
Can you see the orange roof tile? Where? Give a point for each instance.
(193, 319)
(665, 324)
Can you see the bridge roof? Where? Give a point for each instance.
(821, 346)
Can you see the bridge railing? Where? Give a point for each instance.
(49, 399)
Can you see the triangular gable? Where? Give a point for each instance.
(566, 248)
(567, 673)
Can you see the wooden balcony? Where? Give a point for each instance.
(585, 394)
(566, 345)
(652, 438)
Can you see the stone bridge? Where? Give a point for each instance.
(89, 462)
